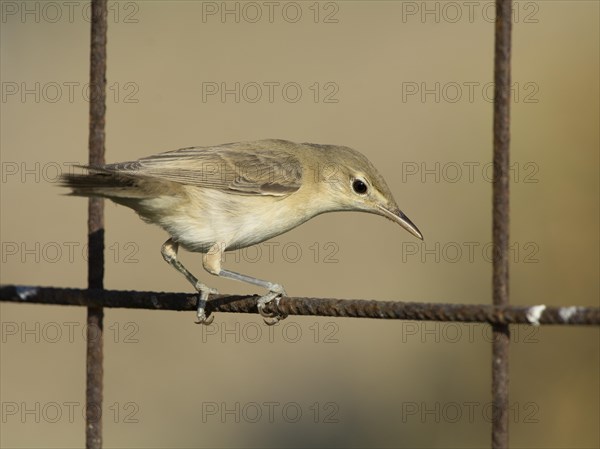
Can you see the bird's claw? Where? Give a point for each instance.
(276, 291)
(204, 291)
(204, 319)
(271, 319)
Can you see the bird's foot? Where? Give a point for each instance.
(203, 318)
(275, 293)
(204, 290)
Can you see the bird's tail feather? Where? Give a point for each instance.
(102, 183)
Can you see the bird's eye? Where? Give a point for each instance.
(359, 187)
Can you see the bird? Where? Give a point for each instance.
(212, 199)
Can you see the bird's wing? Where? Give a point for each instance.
(257, 168)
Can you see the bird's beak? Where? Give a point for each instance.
(397, 216)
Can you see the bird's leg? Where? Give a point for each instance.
(212, 264)
(276, 291)
(169, 253)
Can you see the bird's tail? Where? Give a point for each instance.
(100, 182)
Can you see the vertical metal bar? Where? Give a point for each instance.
(95, 315)
(501, 340)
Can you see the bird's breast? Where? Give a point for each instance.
(233, 221)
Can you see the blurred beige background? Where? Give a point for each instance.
(407, 83)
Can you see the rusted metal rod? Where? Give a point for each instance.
(501, 340)
(356, 308)
(95, 314)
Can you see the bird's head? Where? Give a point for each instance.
(351, 182)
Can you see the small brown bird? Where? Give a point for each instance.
(226, 197)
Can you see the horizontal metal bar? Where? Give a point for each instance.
(357, 308)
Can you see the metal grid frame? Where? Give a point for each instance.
(499, 315)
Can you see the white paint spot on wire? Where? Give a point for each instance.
(534, 313)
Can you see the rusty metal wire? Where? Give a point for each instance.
(95, 314)
(500, 227)
(355, 308)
